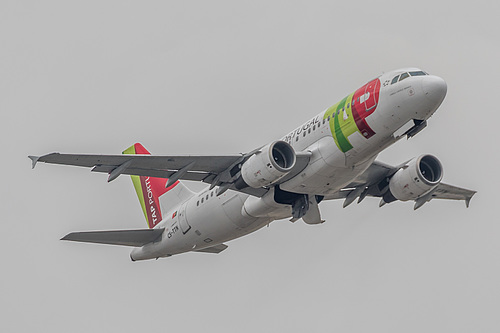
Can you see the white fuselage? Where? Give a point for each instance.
(341, 150)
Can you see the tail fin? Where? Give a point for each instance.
(149, 190)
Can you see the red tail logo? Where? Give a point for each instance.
(149, 189)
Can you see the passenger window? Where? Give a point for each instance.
(207, 197)
(309, 130)
(328, 118)
(197, 203)
(201, 200)
(297, 138)
(314, 127)
(304, 134)
(324, 121)
(404, 76)
(395, 79)
(212, 194)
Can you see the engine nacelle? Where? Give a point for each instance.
(418, 177)
(268, 165)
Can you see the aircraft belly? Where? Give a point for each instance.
(232, 209)
(329, 169)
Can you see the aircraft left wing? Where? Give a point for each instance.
(374, 182)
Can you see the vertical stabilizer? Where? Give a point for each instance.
(155, 199)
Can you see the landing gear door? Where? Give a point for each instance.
(183, 222)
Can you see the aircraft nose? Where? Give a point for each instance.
(434, 89)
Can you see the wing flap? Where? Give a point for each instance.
(135, 238)
(190, 175)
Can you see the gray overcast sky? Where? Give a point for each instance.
(216, 77)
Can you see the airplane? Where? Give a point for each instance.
(331, 156)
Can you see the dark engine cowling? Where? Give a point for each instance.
(420, 176)
(269, 165)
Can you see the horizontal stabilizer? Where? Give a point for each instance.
(136, 238)
(214, 249)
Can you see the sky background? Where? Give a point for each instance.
(219, 77)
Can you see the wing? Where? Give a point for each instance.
(374, 182)
(146, 165)
(220, 170)
(445, 191)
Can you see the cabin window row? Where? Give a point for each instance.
(205, 198)
(304, 133)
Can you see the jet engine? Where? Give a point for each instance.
(418, 177)
(268, 165)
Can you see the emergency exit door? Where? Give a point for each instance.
(183, 222)
(370, 99)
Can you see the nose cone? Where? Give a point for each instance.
(434, 89)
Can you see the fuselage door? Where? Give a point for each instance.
(183, 222)
(369, 97)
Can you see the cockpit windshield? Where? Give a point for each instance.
(418, 73)
(406, 75)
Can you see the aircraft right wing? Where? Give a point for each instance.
(200, 167)
(220, 170)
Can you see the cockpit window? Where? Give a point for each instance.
(418, 73)
(395, 79)
(404, 76)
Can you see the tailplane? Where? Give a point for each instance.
(135, 238)
(156, 199)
